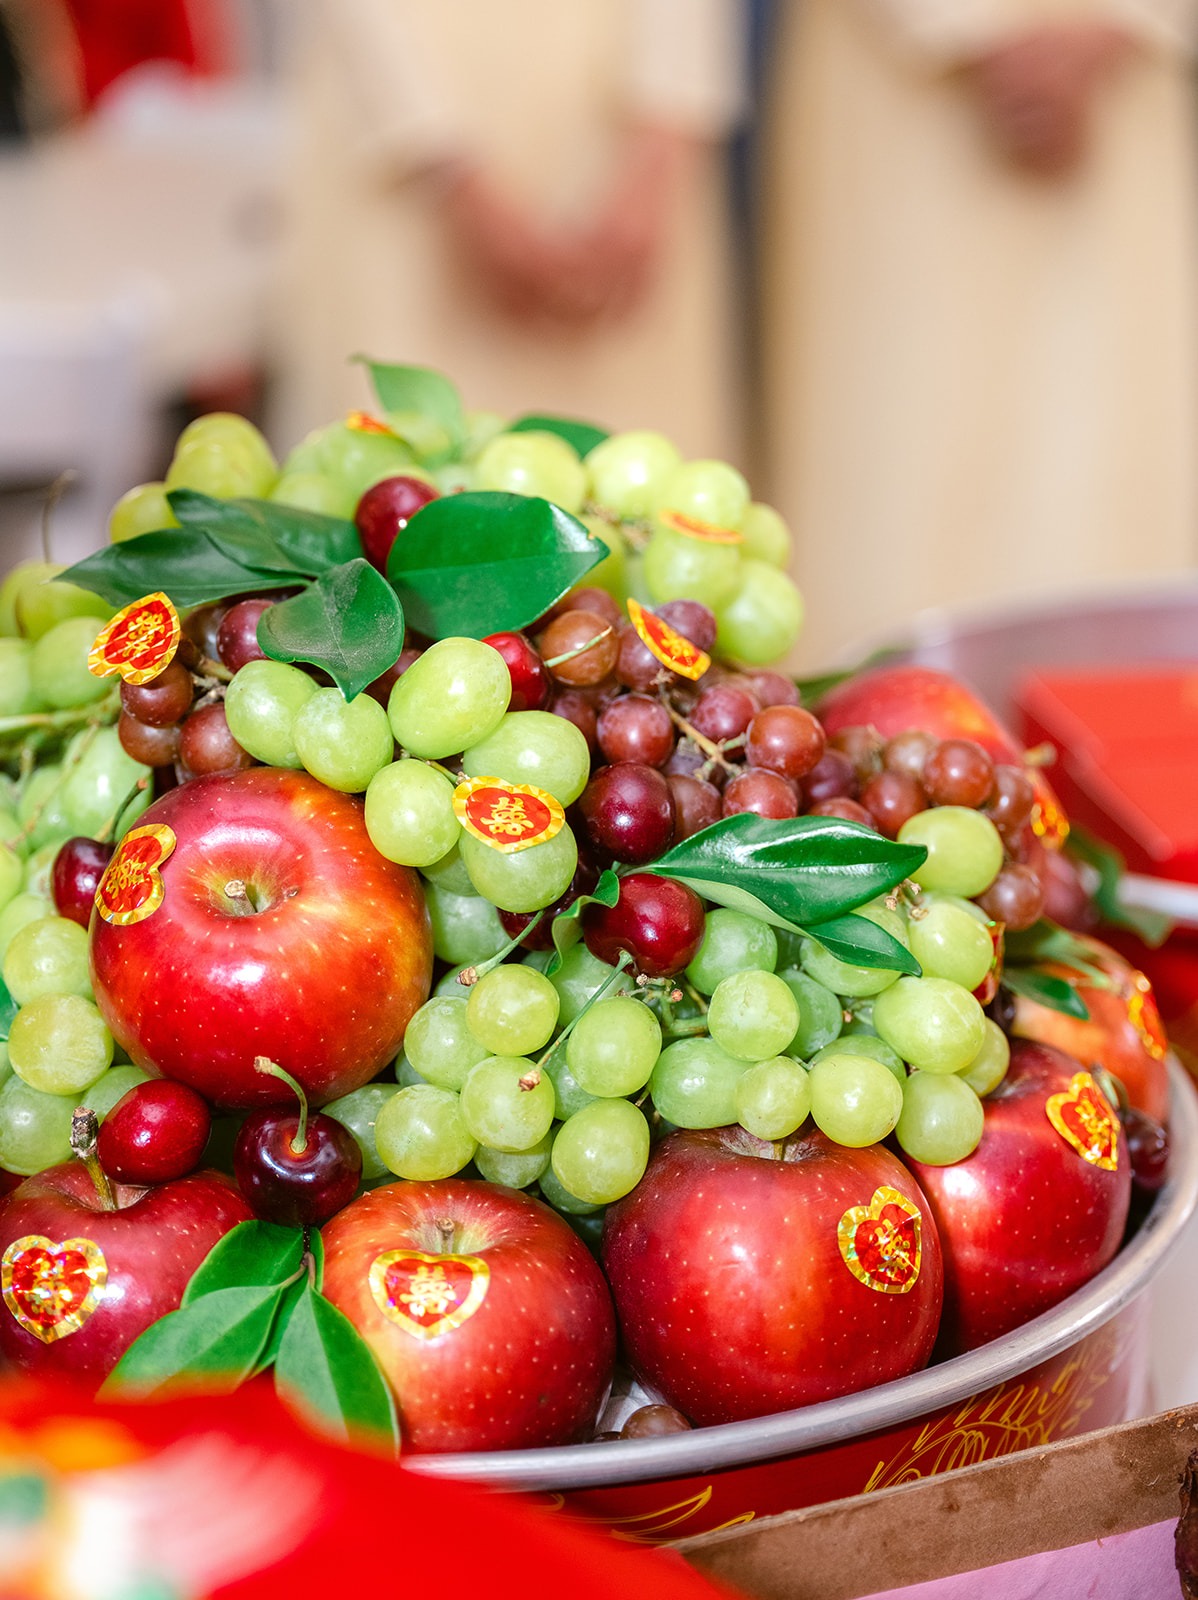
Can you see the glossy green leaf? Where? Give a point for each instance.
(272, 537)
(567, 929)
(1153, 927)
(863, 943)
(488, 562)
(420, 389)
(349, 622)
(801, 870)
(580, 436)
(251, 1255)
(8, 1010)
(181, 562)
(215, 1342)
(325, 1368)
(1056, 993)
(1047, 941)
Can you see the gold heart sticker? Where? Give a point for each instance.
(132, 887)
(880, 1243)
(50, 1288)
(428, 1295)
(1083, 1117)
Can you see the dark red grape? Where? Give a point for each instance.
(863, 745)
(636, 665)
(153, 747)
(584, 646)
(627, 812)
(1011, 800)
(785, 739)
(891, 798)
(1015, 898)
(590, 598)
(958, 773)
(833, 775)
(724, 712)
(1147, 1149)
(654, 1422)
(75, 877)
(382, 686)
(575, 707)
(237, 637)
(841, 806)
(696, 804)
(636, 727)
(206, 745)
(766, 793)
(659, 922)
(772, 689)
(908, 751)
(163, 701)
(537, 926)
(692, 620)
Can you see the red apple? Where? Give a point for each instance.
(282, 932)
(81, 1282)
(1124, 1033)
(747, 1283)
(485, 1310)
(1034, 1212)
(895, 698)
(385, 510)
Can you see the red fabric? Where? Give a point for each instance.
(115, 36)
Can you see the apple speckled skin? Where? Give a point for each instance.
(1025, 1220)
(733, 1297)
(320, 968)
(152, 1244)
(529, 1365)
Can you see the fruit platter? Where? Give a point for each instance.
(451, 973)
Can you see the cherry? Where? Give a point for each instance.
(785, 739)
(295, 1167)
(75, 877)
(659, 922)
(635, 727)
(627, 812)
(531, 687)
(156, 1131)
(237, 636)
(385, 510)
(163, 701)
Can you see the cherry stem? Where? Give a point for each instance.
(579, 649)
(599, 993)
(85, 1128)
(106, 832)
(207, 668)
(264, 1064)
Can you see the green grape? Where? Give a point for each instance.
(860, 1017)
(35, 1128)
(58, 668)
(732, 942)
(47, 957)
(359, 1112)
(142, 509)
(694, 1084)
(821, 1015)
(405, 1072)
(710, 491)
(679, 567)
(313, 491)
(765, 535)
(854, 1100)
(512, 1010)
(964, 850)
(439, 1044)
(453, 477)
(235, 432)
(515, 1169)
(420, 1133)
(950, 942)
(762, 617)
(11, 832)
(450, 698)
(23, 576)
(526, 880)
(99, 775)
(864, 1044)
(223, 469)
(989, 1067)
(753, 1015)
(480, 428)
(5, 1063)
(354, 458)
(466, 928)
(409, 813)
(507, 1103)
(941, 1121)
(42, 605)
(109, 1087)
(449, 873)
(261, 705)
(843, 977)
(555, 1194)
(533, 463)
(610, 574)
(17, 694)
(534, 747)
(773, 1098)
(614, 1047)
(342, 742)
(601, 1152)
(41, 809)
(18, 913)
(932, 1022)
(426, 438)
(12, 870)
(580, 976)
(628, 471)
(568, 1094)
(538, 959)
(39, 866)
(59, 1044)
(447, 985)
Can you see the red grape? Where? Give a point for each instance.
(206, 745)
(696, 804)
(724, 712)
(891, 798)
(627, 812)
(958, 773)
(237, 637)
(586, 641)
(785, 739)
(153, 747)
(767, 793)
(636, 727)
(832, 776)
(163, 701)
(1015, 898)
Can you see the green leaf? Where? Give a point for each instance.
(8, 1010)
(274, 538)
(181, 562)
(581, 436)
(488, 562)
(567, 929)
(349, 622)
(792, 872)
(1153, 927)
(216, 1341)
(420, 389)
(1047, 941)
(251, 1255)
(1056, 993)
(325, 1368)
(863, 943)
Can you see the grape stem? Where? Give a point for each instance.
(99, 712)
(599, 993)
(264, 1064)
(713, 752)
(207, 668)
(469, 976)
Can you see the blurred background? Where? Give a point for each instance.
(927, 272)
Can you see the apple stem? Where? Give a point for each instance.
(579, 649)
(625, 960)
(85, 1128)
(446, 1229)
(264, 1064)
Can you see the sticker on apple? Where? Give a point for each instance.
(132, 887)
(1084, 1118)
(880, 1243)
(50, 1288)
(428, 1295)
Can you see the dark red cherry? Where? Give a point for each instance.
(75, 876)
(531, 685)
(156, 1131)
(657, 921)
(300, 1182)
